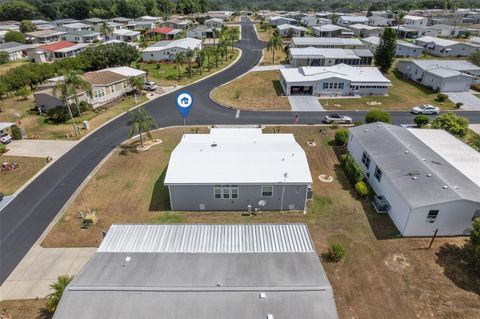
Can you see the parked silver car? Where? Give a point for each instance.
(426, 109)
(5, 138)
(338, 119)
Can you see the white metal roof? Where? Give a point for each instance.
(73, 47)
(126, 71)
(325, 41)
(415, 18)
(4, 125)
(331, 53)
(252, 238)
(238, 156)
(126, 32)
(360, 26)
(354, 18)
(289, 26)
(185, 43)
(328, 28)
(343, 71)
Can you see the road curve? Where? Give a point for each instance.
(28, 215)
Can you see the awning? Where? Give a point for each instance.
(4, 125)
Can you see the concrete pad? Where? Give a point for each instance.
(305, 103)
(475, 128)
(40, 148)
(271, 67)
(470, 101)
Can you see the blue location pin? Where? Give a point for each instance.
(184, 103)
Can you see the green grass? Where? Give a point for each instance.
(168, 218)
(166, 74)
(402, 95)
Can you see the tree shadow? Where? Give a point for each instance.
(160, 200)
(277, 87)
(459, 266)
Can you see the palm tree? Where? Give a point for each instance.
(189, 55)
(217, 33)
(142, 122)
(179, 61)
(58, 287)
(273, 44)
(68, 88)
(105, 29)
(222, 50)
(136, 84)
(208, 54)
(200, 58)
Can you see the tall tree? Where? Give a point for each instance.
(136, 84)
(274, 44)
(14, 36)
(179, 61)
(141, 123)
(200, 58)
(17, 10)
(58, 288)
(27, 26)
(189, 56)
(385, 52)
(68, 90)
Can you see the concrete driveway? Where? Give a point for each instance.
(470, 101)
(305, 103)
(39, 148)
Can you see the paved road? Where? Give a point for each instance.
(28, 215)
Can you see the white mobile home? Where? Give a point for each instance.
(339, 43)
(286, 30)
(404, 48)
(327, 57)
(238, 169)
(332, 31)
(415, 21)
(428, 179)
(350, 20)
(364, 31)
(281, 20)
(445, 48)
(166, 50)
(337, 80)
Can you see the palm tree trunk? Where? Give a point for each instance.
(273, 55)
(141, 136)
(67, 104)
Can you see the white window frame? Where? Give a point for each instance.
(234, 191)
(378, 173)
(263, 191)
(432, 215)
(225, 192)
(219, 189)
(366, 160)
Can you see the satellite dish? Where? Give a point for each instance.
(262, 203)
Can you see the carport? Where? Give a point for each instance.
(5, 126)
(301, 90)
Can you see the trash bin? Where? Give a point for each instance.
(86, 125)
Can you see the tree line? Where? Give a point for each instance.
(81, 9)
(16, 80)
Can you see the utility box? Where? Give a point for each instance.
(86, 125)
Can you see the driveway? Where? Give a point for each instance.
(271, 67)
(39, 148)
(470, 101)
(301, 103)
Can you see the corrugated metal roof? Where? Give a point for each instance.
(253, 238)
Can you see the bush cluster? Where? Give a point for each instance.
(341, 137)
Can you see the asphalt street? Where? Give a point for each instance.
(28, 215)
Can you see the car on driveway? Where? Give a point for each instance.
(150, 86)
(5, 138)
(337, 119)
(426, 109)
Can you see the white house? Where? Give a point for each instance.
(291, 30)
(78, 26)
(446, 48)
(16, 51)
(312, 21)
(414, 31)
(327, 57)
(314, 42)
(125, 35)
(83, 36)
(379, 21)
(332, 31)
(349, 20)
(410, 20)
(365, 31)
(442, 75)
(242, 169)
(277, 20)
(449, 30)
(44, 36)
(214, 23)
(404, 48)
(337, 80)
(425, 179)
(166, 50)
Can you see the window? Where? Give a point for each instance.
(378, 174)
(217, 191)
(234, 191)
(267, 191)
(432, 216)
(366, 160)
(325, 85)
(226, 191)
(112, 89)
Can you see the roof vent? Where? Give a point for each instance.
(445, 187)
(219, 284)
(263, 295)
(406, 152)
(269, 316)
(366, 130)
(429, 175)
(414, 178)
(213, 144)
(128, 259)
(456, 187)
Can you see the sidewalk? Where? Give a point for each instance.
(40, 268)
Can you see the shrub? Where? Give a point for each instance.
(83, 106)
(362, 189)
(442, 97)
(58, 114)
(352, 170)
(341, 137)
(16, 134)
(3, 149)
(378, 116)
(357, 123)
(475, 241)
(452, 123)
(458, 105)
(335, 253)
(421, 120)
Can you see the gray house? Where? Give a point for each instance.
(327, 57)
(427, 178)
(404, 48)
(238, 169)
(268, 271)
(446, 48)
(442, 75)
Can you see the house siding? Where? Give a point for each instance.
(191, 197)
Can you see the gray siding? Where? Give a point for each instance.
(201, 197)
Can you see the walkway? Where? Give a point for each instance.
(305, 103)
(271, 67)
(40, 148)
(470, 101)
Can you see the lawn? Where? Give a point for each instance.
(402, 95)
(10, 65)
(280, 57)
(382, 275)
(166, 74)
(39, 127)
(25, 309)
(258, 91)
(27, 168)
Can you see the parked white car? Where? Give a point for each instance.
(426, 109)
(150, 86)
(336, 118)
(5, 138)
